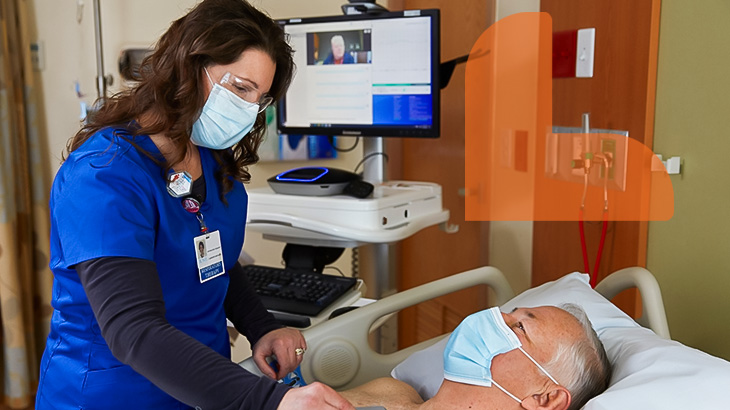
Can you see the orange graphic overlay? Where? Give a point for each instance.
(518, 169)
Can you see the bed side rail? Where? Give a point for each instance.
(339, 353)
(653, 314)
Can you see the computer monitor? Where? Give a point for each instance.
(364, 75)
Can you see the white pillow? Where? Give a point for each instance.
(648, 372)
(423, 370)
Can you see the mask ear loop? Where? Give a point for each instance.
(208, 74)
(506, 392)
(538, 366)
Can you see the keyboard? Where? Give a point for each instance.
(292, 291)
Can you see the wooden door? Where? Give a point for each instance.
(432, 254)
(619, 96)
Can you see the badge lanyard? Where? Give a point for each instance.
(208, 244)
(193, 206)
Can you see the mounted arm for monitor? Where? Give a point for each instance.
(447, 70)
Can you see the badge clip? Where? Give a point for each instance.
(192, 205)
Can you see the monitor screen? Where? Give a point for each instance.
(370, 75)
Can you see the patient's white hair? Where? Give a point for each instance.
(582, 366)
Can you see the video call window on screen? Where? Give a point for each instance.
(364, 75)
(339, 47)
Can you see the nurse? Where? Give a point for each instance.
(148, 214)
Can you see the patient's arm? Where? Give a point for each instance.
(387, 392)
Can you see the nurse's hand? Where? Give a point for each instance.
(288, 345)
(315, 396)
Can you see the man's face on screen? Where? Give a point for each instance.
(338, 48)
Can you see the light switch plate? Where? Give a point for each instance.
(37, 57)
(585, 54)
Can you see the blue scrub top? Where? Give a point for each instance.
(109, 199)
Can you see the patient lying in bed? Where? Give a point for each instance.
(532, 358)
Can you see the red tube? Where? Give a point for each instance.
(594, 277)
(586, 265)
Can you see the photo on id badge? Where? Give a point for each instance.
(209, 255)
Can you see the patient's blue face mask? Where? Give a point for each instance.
(474, 344)
(226, 119)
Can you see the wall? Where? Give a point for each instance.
(689, 253)
(69, 54)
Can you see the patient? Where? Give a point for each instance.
(531, 358)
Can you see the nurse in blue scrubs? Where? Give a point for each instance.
(148, 213)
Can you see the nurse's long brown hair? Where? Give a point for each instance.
(170, 96)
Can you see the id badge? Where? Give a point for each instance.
(209, 254)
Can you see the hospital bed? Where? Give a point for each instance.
(649, 369)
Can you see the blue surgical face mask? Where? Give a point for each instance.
(226, 119)
(474, 344)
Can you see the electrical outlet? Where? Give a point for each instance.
(608, 148)
(616, 144)
(36, 56)
(578, 153)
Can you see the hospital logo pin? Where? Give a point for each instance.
(191, 205)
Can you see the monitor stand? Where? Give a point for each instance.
(374, 160)
(378, 261)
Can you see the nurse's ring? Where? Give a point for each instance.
(299, 351)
